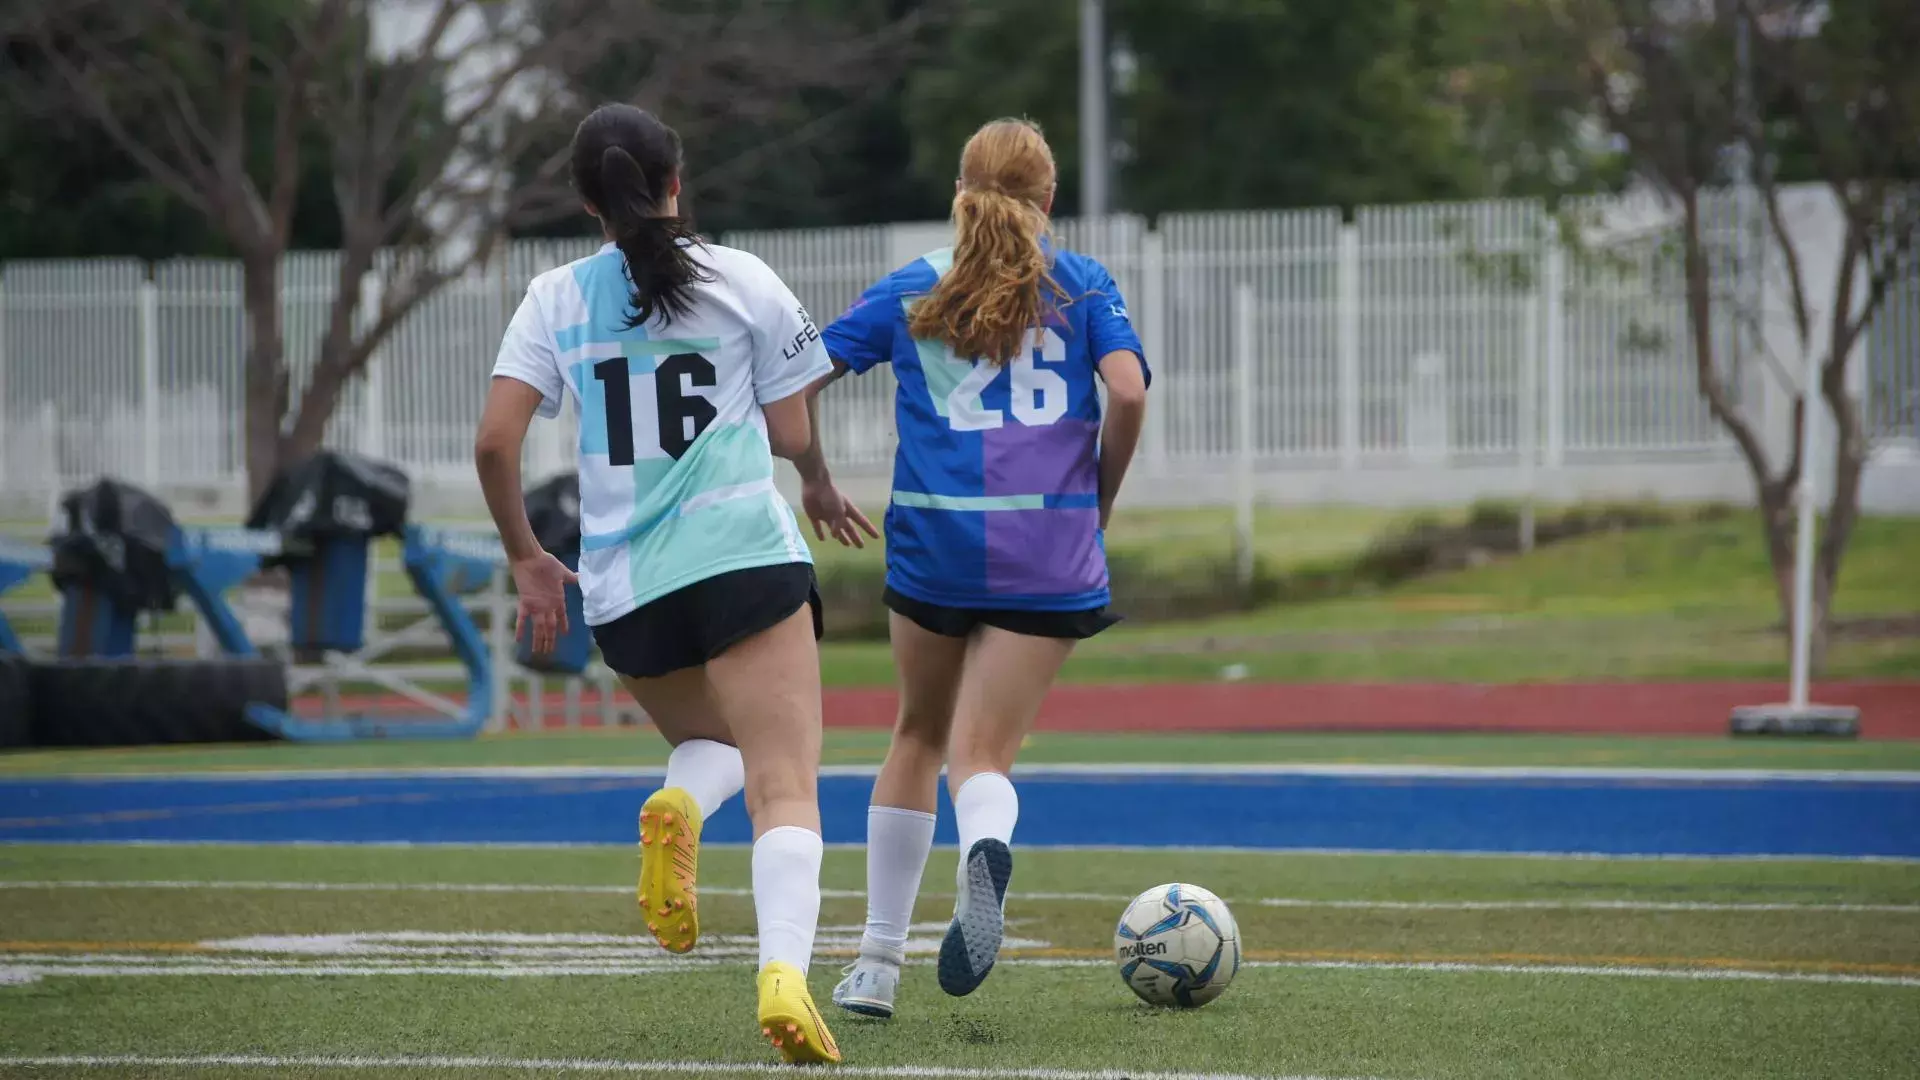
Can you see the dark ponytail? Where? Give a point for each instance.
(623, 161)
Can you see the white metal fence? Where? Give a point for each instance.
(1429, 337)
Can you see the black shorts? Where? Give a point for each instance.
(959, 622)
(690, 626)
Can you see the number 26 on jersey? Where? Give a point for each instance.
(1038, 395)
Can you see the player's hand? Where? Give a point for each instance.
(832, 512)
(542, 580)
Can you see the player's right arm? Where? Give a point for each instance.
(526, 381)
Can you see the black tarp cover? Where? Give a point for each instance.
(334, 495)
(114, 538)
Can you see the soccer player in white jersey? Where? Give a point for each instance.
(688, 364)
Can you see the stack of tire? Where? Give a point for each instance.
(16, 702)
(111, 554)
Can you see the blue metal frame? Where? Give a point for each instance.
(443, 565)
(208, 562)
(18, 562)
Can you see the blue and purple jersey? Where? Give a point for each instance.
(996, 484)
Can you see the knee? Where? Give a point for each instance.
(918, 738)
(978, 756)
(778, 783)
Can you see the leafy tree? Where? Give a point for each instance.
(1255, 103)
(831, 149)
(1831, 90)
(73, 193)
(210, 98)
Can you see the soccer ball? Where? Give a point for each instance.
(1177, 945)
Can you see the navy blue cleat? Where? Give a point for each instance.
(972, 943)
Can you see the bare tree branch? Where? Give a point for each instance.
(1700, 321)
(1789, 251)
(184, 176)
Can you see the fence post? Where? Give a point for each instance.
(1529, 419)
(50, 438)
(1553, 286)
(1153, 323)
(1243, 433)
(373, 411)
(149, 307)
(1347, 328)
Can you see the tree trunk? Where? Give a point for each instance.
(266, 373)
(317, 405)
(1777, 524)
(1843, 512)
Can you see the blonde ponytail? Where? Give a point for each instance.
(998, 288)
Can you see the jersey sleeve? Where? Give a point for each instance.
(787, 355)
(1108, 327)
(526, 354)
(863, 337)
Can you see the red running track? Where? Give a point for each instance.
(1889, 710)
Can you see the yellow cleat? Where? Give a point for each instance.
(669, 860)
(789, 1020)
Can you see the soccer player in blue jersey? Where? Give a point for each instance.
(1006, 474)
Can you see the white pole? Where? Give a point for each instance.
(373, 413)
(1529, 418)
(149, 306)
(1152, 322)
(1347, 333)
(50, 440)
(1553, 278)
(1803, 544)
(1093, 108)
(1243, 432)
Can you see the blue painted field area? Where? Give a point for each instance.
(1404, 811)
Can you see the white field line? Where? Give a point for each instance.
(574, 1065)
(1017, 897)
(1107, 849)
(1117, 770)
(23, 968)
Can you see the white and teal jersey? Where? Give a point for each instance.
(676, 477)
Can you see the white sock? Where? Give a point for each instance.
(786, 894)
(985, 806)
(897, 845)
(711, 772)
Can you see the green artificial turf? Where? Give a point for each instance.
(1340, 982)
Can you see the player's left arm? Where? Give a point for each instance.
(830, 511)
(787, 358)
(812, 465)
(1123, 368)
(1125, 376)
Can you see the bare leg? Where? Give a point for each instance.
(928, 669)
(767, 689)
(900, 821)
(1006, 678)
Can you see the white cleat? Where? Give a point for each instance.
(869, 987)
(972, 943)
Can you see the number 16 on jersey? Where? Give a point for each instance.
(680, 412)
